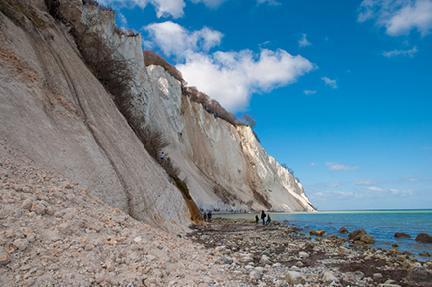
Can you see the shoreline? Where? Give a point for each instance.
(279, 255)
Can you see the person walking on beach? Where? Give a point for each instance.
(263, 216)
(209, 216)
(268, 219)
(205, 216)
(256, 219)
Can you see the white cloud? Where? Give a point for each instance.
(394, 53)
(335, 166)
(228, 77)
(365, 182)
(303, 41)
(269, 2)
(329, 82)
(123, 20)
(399, 17)
(164, 8)
(174, 40)
(231, 77)
(210, 3)
(310, 92)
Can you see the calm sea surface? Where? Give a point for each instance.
(381, 224)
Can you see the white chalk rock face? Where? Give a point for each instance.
(225, 166)
(57, 113)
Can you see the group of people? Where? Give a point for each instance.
(263, 218)
(207, 216)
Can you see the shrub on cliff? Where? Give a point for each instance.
(211, 106)
(151, 58)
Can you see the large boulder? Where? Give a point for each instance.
(343, 230)
(424, 238)
(360, 236)
(317, 232)
(401, 235)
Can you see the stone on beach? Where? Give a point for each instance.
(317, 232)
(329, 277)
(343, 230)
(401, 235)
(4, 256)
(294, 277)
(424, 238)
(360, 236)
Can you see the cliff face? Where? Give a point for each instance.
(224, 165)
(58, 114)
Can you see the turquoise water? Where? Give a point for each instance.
(381, 224)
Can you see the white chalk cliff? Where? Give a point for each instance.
(55, 111)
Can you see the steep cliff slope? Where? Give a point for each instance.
(57, 113)
(224, 164)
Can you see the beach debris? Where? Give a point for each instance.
(424, 238)
(343, 230)
(401, 235)
(317, 232)
(360, 236)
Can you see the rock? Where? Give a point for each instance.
(360, 236)
(343, 230)
(328, 277)
(425, 254)
(303, 254)
(27, 204)
(255, 275)
(21, 244)
(424, 238)
(227, 260)
(265, 259)
(401, 235)
(4, 257)
(294, 277)
(317, 232)
(377, 276)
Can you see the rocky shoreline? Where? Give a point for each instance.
(278, 255)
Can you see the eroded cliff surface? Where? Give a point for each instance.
(58, 114)
(224, 164)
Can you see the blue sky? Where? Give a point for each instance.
(341, 90)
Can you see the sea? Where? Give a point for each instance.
(381, 224)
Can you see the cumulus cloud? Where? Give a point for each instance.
(174, 40)
(228, 77)
(303, 41)
(122, 19)
(269, 2)
(335, 166)
(164, 8)
(231, 77)
(395, 53)
(309, 92)
(398, 17)
(210, 3)
(329, 82)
